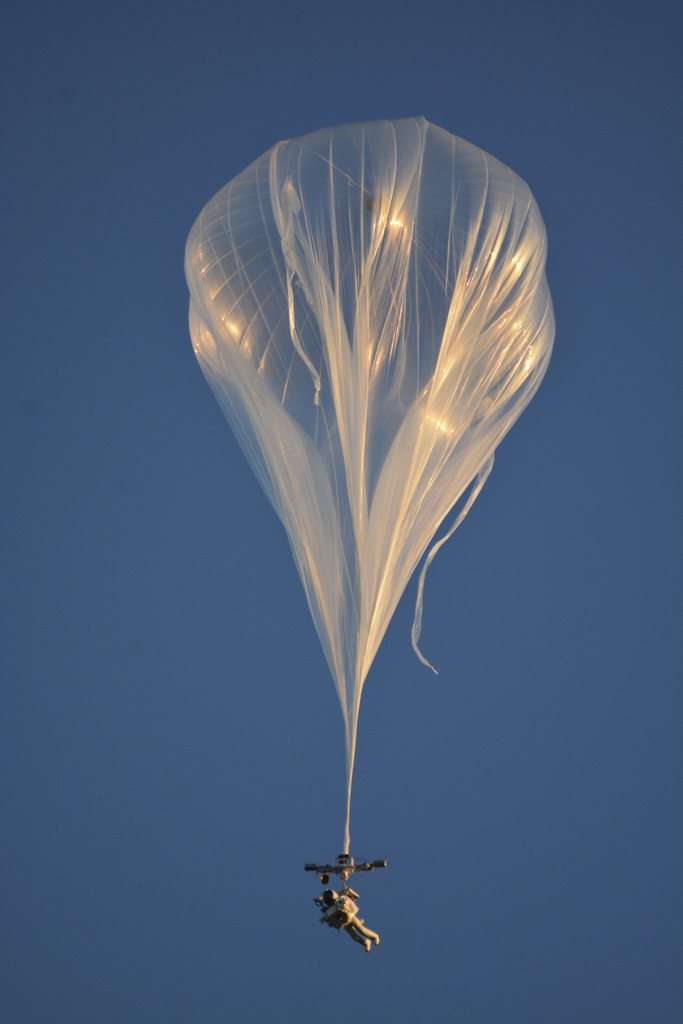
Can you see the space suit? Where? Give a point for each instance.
(341, 912)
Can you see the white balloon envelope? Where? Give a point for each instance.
(369, 305)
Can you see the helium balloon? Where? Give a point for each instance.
(369, 305)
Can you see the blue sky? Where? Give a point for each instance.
(172, 747)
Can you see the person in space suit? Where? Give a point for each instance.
(339, 911)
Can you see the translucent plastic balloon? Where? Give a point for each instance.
(370, 308)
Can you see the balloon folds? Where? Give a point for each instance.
(370, 308)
